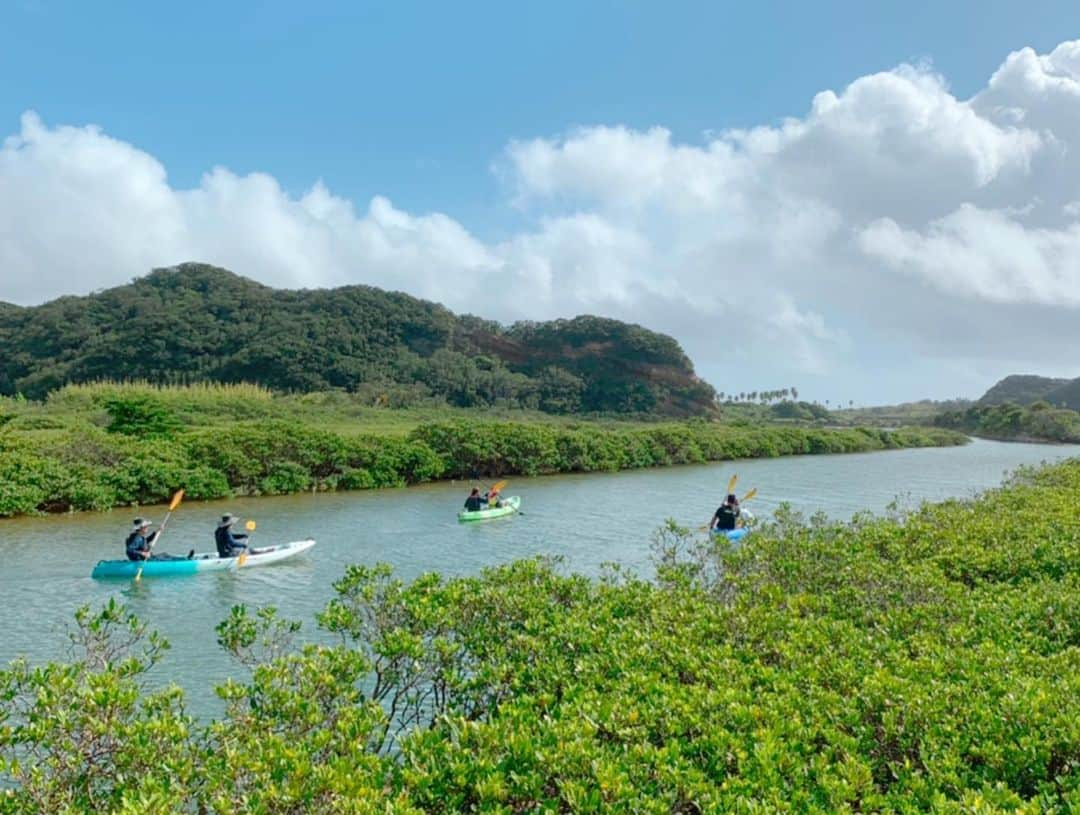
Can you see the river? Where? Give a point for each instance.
(588, 519)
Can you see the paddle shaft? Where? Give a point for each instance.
(173, 504)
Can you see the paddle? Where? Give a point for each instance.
(250, 527)
(176, 499)
(498, 486)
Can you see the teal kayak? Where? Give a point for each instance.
(202, 562)
(509, 507)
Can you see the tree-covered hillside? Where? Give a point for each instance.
(195, 323)
(1022, 389)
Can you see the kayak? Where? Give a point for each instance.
(201, 562)
(510, 506)
(732, 534)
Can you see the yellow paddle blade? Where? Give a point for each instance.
(498, 486)
(250, 526)
(750, 494)
(731, 483)
(176, 499)
(241, 560)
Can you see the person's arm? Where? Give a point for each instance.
(142, 546)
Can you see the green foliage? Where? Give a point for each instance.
(199, 324)
(928, 662)
(1038, 421)
(85, 736)
(86, 468)
(140, 416)
(803, 411)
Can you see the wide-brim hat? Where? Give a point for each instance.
(141, 523)
(227, 520)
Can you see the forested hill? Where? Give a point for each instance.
(1020, 389)
(1025, 390)
(200, 323)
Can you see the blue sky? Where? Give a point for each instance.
(414, 99)
(511, 146)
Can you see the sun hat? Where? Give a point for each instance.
(140, 523)
(227, 520)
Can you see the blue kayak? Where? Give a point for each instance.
(732, 534)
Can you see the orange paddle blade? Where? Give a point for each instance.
(176, 499)
(498, 486)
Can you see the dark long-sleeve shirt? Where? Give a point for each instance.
(138, 546)
(229, 544)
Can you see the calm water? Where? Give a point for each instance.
(589, 519)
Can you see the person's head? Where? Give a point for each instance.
(475, 491)
(140, 524)
(731, 499)
(227, 521)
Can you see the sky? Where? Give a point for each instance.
(875, 202)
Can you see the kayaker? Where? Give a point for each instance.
(475, 501)
(229, 544)
(493, 499)
(141, 540)
(726, 517)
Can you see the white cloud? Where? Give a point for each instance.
(892, 216)
(987, 255)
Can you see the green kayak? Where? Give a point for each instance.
(509, 507)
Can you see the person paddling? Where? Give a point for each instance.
(140, 542)
(475, 501)
(726, 517)
(229, 544)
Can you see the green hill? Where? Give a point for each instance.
(1022, 390)
(1067, 395)
(198, 323)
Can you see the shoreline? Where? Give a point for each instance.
(249, 461)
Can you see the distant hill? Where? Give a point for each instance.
(1068, 395)
(196, 322)
(1025, 389)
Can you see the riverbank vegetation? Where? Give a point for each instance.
(1037, 421)
(95, 447)
(926, 662)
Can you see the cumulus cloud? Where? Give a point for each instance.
(892, 219)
